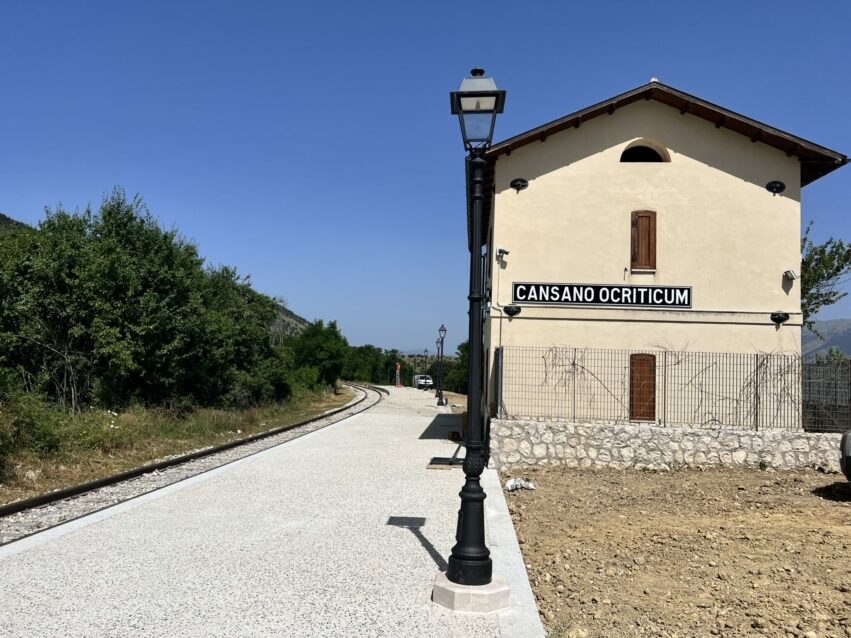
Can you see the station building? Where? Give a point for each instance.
(652, 226)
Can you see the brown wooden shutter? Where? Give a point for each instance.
(644, 239)
(642, 387)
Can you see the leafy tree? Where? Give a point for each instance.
(455, 373)
(322, 347)
(108, 308)
(43, 313)
(365, 363)
(832, 356)
(823, 269)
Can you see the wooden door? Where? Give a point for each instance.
(642, 387)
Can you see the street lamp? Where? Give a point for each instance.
(476, 103)
(425, 361)
(439, 343)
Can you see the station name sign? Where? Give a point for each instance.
(616, 295)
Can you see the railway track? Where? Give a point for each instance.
(30, 516)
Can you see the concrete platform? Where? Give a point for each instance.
(339, 533)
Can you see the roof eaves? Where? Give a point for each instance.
(816, 160)
(826, 160)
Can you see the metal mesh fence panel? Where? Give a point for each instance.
(826, 391)
(698, 389)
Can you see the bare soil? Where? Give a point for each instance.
(720, 552)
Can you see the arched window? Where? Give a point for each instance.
(641, 153)
(645, 150)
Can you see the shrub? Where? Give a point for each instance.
(306, 378)
(27, 420)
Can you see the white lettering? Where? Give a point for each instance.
(604, 294)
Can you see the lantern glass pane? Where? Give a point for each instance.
(477, 126)
(478, 103)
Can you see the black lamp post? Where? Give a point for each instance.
(476, 103)
(439, 343)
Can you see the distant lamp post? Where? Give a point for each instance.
(476, 103)
(425, 361)
(439, 343)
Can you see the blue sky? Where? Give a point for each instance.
(310, 145)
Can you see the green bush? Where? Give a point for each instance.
(27, 420)
(306, 378)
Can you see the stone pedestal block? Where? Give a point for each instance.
(475, 598)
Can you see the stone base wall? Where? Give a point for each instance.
(523, 444)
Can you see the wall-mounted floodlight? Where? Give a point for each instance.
(791, 275)
(779, 317)
(519, 184)
(775, 187)
(512, 311)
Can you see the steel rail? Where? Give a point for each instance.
(75, 490)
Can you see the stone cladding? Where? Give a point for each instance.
(523, 444)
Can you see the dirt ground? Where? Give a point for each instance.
(719, 552)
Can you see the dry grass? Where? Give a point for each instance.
(110, 443)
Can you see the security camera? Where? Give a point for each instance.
(791, 275)
(501, 252)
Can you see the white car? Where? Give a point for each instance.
(422, 382)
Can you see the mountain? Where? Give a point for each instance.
(286, 324)
(836, 333)
(7, 223)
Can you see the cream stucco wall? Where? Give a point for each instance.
(717, 230)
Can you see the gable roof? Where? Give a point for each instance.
(816, 161)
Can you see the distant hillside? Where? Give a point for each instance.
(287, 324)
(7, 223)
(836, 333)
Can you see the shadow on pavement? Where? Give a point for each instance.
(441, 426)
(414, 523)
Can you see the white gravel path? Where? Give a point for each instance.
(293, 541)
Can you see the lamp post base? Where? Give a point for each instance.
(475, 598)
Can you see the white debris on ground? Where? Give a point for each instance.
(519, 484)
